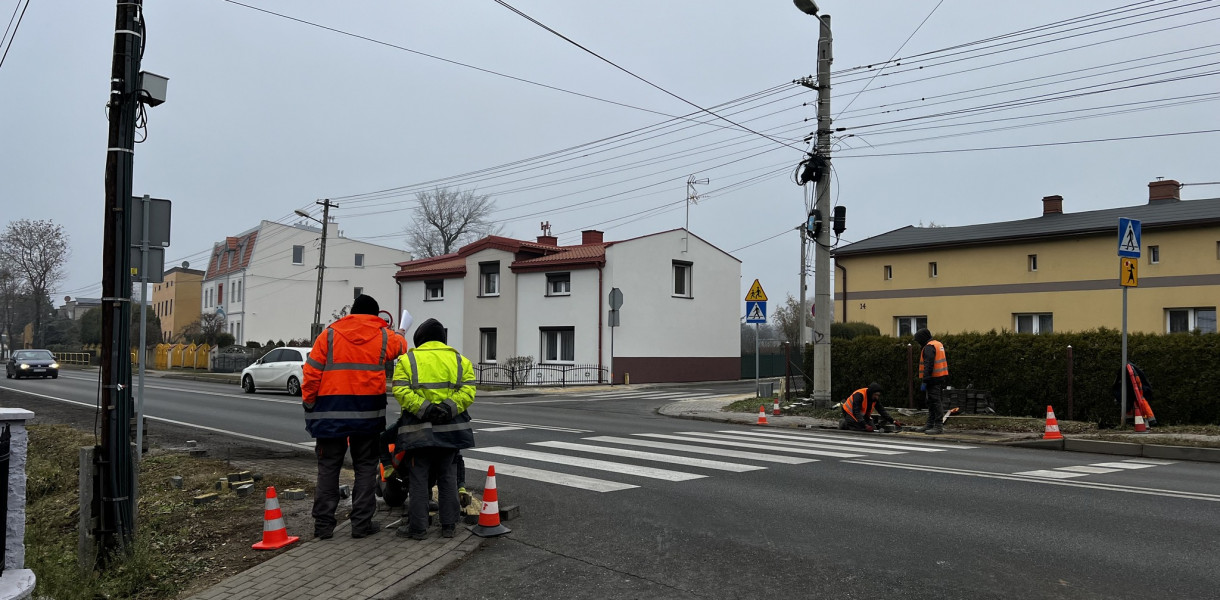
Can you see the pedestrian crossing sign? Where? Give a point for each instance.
(756, 293)
(1128, 238)
(756, 312)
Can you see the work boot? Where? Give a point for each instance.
(370, 528)
(406, 532)
(448, 531)
(934, 431)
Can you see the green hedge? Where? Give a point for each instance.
(1025, 372)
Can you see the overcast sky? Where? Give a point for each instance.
(266, 115)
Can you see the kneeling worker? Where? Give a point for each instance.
(858, 409)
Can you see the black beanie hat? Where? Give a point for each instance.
(874, 388)
(365, 305)
(429, 331)
(922, 336)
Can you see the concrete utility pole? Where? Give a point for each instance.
(317, 305)
(114, 493)
(804, 332)
(821, 256)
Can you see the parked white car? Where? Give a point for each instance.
(280, 369)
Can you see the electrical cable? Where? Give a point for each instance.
(1038, 145)
(878, 72)
(14, 36)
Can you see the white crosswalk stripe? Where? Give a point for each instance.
(831, 439)
(1073, 471)
(702, 450)
(576, 481)
(589, 463)
(672, 459)
(740, 444)
(784, 441)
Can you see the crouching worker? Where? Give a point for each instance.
(858, 409)
(395, 466)
(434, 384)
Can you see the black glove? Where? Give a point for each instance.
(439, 413)
(429, 411)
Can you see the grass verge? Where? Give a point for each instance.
(178, 545)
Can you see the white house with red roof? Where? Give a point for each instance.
(264, 280)
(501, 297)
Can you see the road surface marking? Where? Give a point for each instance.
(740, 444)
(1150, 461)
(529, 426)
(1052, 474)
(610, 396)
(492, 429)
(1122, 465)
(147, 386)
(576, 481)
(1088, 469)
(829, 439)
(667, 458)
(783, 444)
(1044, 481)
(787, 460)
(589, 463)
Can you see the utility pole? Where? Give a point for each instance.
(317, 304)
(115, 490)
(821, 265)
(803, 336)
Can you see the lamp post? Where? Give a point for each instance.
(316, 328)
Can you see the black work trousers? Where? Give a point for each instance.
(936, 404)
(331, 452)
(440, 461)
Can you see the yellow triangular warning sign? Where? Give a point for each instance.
(756, 293)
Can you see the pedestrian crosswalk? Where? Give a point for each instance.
(678, 456)
(1073, 471)
(644, 394)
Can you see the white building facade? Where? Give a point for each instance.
(503, 298)
(264, 281)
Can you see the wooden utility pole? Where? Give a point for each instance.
(316, 329)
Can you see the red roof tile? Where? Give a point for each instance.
(232, 255)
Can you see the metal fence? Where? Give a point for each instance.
(232, 363)
(541, 375)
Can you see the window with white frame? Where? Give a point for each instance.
(237, 292)
(357, 292)
(1034, 323)
(298, 255)
(888, 272)
(489, 278)
(909, 325)
(558, 344)
(1032, 263)
(558, 284)
(434, 291)
(487, 345)
(359, 260)
(1183, 320)
(682, 278)
(1154, 255)
(932, 272)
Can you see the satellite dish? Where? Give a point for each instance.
(67, 298)
(186, 265)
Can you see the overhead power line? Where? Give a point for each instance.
(1038, 145)
(904, 45)
(14, 35)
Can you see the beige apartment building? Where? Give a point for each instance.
(1056, 272)
(176, 301)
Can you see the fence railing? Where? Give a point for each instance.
(232, 363)
(73, 358)
(541, 375)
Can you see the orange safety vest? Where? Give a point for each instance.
(850, 403)
(344, 391)
(940, 368)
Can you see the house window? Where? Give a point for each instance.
(1183, 320)
(888, 272)
(298, 255)
(558, 345)
(357, 292)
(909, 325)
(1033, 262)
(931, 269)
(220, 293)
(359, 260)
(434, 291)
(487, 345)
(237, 292)
(1034, 323)
(171, 306)
(1154, 255)
(489, 278)
(558, 284)
(682, 278)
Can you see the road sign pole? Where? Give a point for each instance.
(756, 359)
(1122, 412)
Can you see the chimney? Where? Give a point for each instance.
(1162, 191)
(1052, 205)
(591, 236)
(548, 240)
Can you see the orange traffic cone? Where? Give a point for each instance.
(775, 408)
(762, 415)
(275, 533)
(489, 516)
(1052, 426)
(1140, 426)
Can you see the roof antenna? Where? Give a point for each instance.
(546, 228)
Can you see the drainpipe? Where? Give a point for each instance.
(600, 297)
(844, 269)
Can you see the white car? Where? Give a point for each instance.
(279, 369)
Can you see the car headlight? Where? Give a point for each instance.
(24, 366)
(54, 365)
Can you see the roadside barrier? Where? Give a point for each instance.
(775, 408)
(1140, 426)
(1052, 426)
(762, 415)
(275, 533)
(489, 516)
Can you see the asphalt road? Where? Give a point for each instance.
(620, 502)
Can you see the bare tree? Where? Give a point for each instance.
(35, 251)
(787, 318)
(447, 219)
(206, 330)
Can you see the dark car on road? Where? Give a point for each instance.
(31, 363)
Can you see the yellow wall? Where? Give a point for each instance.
(1076, 281)
(185, 289)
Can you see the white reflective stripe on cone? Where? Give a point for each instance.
(272, 504)
(274, 525)
(490, 508)
(491, 483)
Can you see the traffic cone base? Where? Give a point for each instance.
(1052, 426)
(762, 415)
(489, 516)
(275, 533)
(1140, 426)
